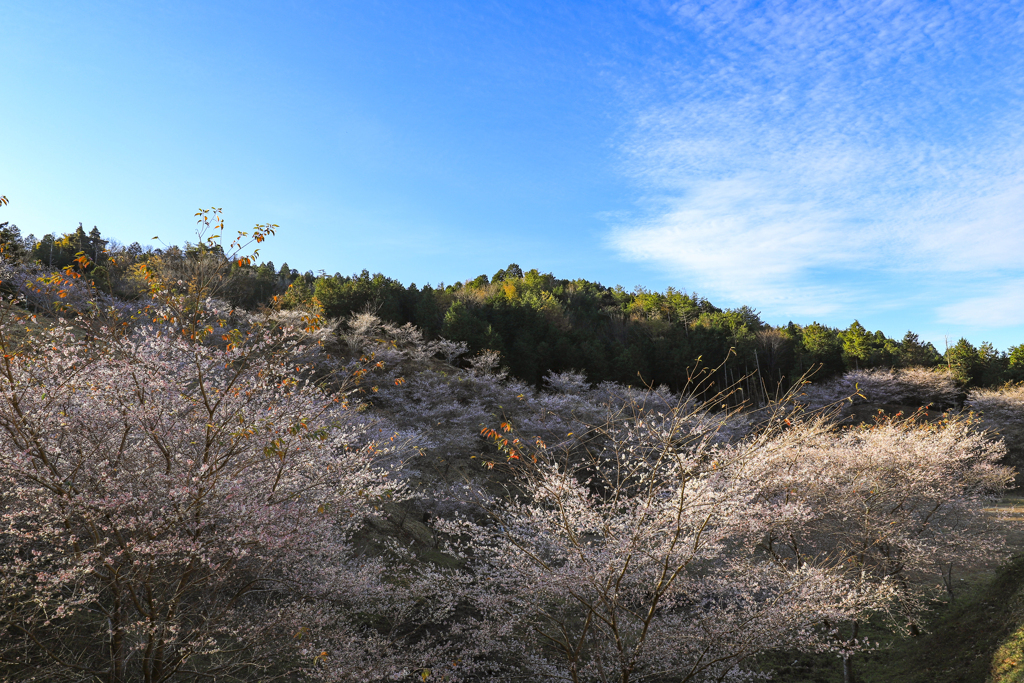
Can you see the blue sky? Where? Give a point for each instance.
(816, 161)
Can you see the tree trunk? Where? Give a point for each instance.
(848, 675)
(115, 623)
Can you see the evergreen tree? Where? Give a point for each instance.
(96, 244)
(912, 352)
(12, 246)
(964, 362)
(992, 365)
(1015, 363)
(824, 350)
(512, 272)
(857, 346)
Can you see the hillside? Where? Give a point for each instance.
(354, 499)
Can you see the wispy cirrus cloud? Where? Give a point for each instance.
(811, 157)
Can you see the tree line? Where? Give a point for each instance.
(540, 323)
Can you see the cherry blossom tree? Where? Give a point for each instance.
(178, 499)
(1002, 412)
(653, 549)
(159, 495)
(899, 502)
(634, 557)
(907, 386)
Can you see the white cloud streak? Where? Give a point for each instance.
(811, 156)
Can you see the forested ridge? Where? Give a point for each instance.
(540, 323)
(214, 469)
